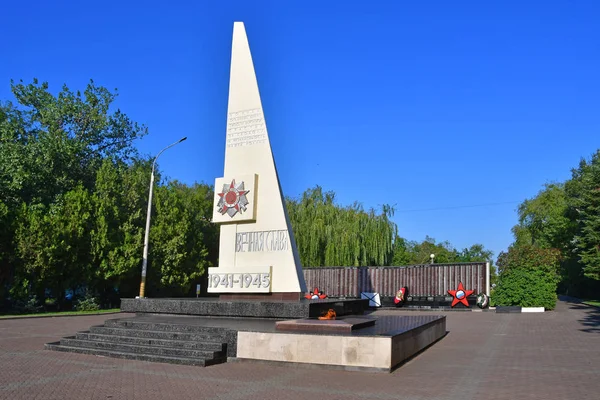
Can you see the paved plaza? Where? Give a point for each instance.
(554, 355)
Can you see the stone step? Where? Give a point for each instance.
(120, 331)
(160, 326)
(186, 344)
(136, 356)
(139, 349)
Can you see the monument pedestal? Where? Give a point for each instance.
(259, 277)
(272, 309)
(262, 296)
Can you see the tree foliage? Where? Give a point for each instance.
(528, 277)
(52, 242)
(525, 288)
(73, 199)
(328, 234)
(543, 221)
(120, 201)
(51, 144)
(532, 258)
(184, 241)
(583, 191)
(566, 216)
(413, 252)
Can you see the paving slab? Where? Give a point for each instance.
(551, 355)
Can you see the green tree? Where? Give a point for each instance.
(543, 221)
(583, 191)
(561, 217)
(53, 245)
(50, 144)
(183, 241)
(401, 252)
(407, 252)
(51, 147)
(120, 202)
(475, 253)
(421, 252)
(328, 234)
(6, 253)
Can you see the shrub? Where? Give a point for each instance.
(530, 257)
(526, 288)
(528, 277)
(31, 305)
(88, 303)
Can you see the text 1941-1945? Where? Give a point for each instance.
(241, 281)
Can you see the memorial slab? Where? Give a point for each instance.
(316, 325)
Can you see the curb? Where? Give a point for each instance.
(518, 309)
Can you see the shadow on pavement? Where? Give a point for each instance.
(591, 319)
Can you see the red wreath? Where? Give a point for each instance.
(400, 295)
(315, 295)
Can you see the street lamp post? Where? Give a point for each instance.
(147, 234)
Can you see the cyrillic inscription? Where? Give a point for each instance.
(262, 241)
(246, 128)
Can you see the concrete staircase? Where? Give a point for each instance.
(150, 341)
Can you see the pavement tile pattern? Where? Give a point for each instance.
(554, 355)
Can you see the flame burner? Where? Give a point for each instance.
(328, 315)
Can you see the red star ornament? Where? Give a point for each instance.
(316, 295)
(460, 295)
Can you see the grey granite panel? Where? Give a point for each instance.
(135, 356)
(130, 348)
(157, 335)
(415, 338)
(187, 344)
(244, 308)
(341, 325)
(101, 330)
(163, 326)
(158, 325)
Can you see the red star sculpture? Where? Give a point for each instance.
(315, 295)
(460, 295)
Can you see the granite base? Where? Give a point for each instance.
(279, 309)
(382, 347)
(345, 324)
(261, 296)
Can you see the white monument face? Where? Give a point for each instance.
(257, 250)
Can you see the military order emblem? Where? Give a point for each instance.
(233, 199)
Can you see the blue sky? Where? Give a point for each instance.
(430, 106)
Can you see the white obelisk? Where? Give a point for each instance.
(257, 250)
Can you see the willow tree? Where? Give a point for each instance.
(328, 234)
